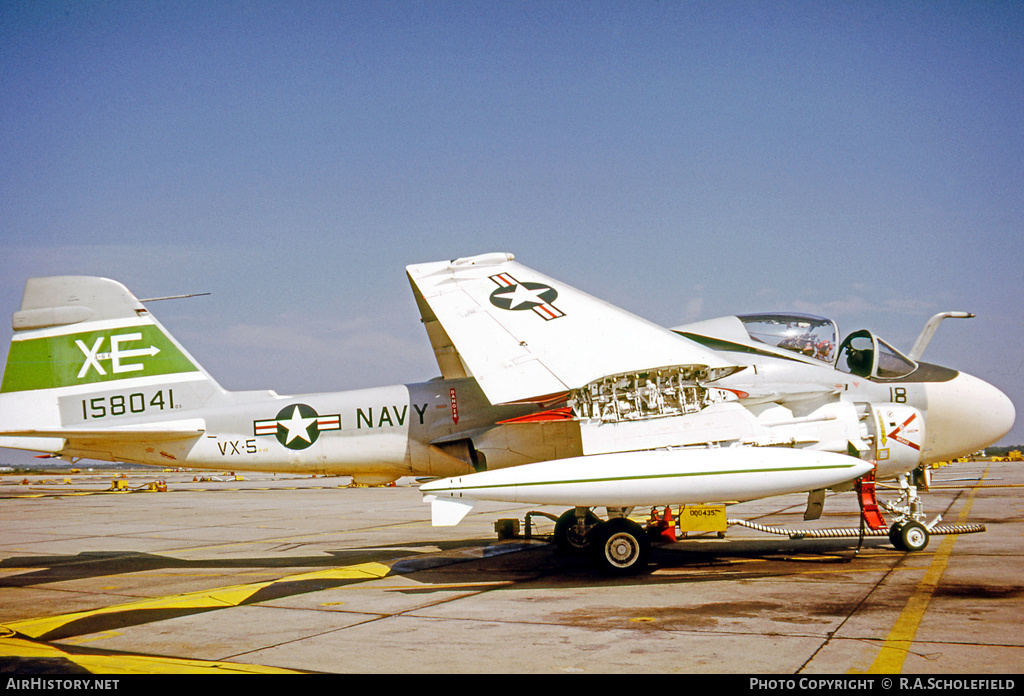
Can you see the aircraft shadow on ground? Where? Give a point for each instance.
(464, 564)
(93, 564)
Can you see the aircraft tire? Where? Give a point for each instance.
(913, 536)
(621, 546)
(567, 537)
(894, 536)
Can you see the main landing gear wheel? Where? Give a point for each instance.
(569, 538)
(909, 536)
(622, 546)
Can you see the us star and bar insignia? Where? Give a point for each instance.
(297, 426)
(516, 296)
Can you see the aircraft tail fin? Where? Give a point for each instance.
(87, 355)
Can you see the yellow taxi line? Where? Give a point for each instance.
(217, 598)
(20, 639)
(27, 650)
(897, 644)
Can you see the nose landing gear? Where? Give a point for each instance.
(908, 532)
(909, 535)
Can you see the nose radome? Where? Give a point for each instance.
(995, 414)
(965, 415)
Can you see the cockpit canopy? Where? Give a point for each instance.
(861, 353)
(814, 337)
(865, 355)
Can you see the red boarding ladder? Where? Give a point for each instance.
(868, 502)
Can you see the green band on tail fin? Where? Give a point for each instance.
(91, 357)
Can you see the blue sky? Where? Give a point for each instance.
(684, 160)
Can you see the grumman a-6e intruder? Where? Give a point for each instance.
(547, 396)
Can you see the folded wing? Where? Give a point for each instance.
(527, 337)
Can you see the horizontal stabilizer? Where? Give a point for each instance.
(51, 445)
(150, 432)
